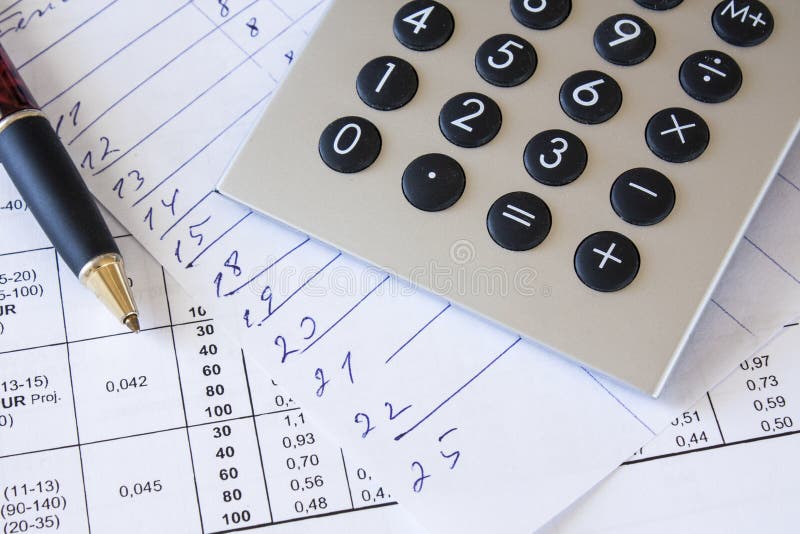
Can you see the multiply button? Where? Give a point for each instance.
(710, 76)
(518, 221)
(606, 261)
(423, 25)
(743, 22)
(433, 182)
(541, 14)
(642, 196)
(677, 135)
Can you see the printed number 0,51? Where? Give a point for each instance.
(461, 123)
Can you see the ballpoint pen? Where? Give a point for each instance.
(49, 182)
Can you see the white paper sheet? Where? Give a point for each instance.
(153, 102)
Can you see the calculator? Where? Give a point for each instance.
(577, 171)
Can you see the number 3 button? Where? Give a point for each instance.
(470, 120)
(349, 144)
(555, 157)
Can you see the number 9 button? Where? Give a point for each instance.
(624, 40)
(505, 60)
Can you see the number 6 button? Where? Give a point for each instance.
(470, 120)
(349, 144)
(590, 97)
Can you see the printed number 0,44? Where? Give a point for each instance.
(462, 122)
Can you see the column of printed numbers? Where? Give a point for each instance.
(760, 398)
(305, 471)
(366, 491)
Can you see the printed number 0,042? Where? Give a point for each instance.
(461, 123)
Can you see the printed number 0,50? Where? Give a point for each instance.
(461, 123)
(556, 151)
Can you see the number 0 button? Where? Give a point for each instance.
(423, 25)
(505, 60)
(387, 83)
(470, 120)
(590, 97)
(518, 221)
(555, 157)
(349, 144)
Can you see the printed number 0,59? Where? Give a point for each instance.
(556, 151)
(509, 55)
(461, 123)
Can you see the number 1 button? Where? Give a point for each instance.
(470, 120)
(387, 83)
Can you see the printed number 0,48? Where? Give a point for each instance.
(461, 123)
(418, 19)
(625, 36)
(556, 151)
(353, 144)
(509, 55)
(588, 87)
(538, 9)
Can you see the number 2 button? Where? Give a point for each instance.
(470, 120)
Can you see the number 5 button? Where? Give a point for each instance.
(470, 120)
(505, 60)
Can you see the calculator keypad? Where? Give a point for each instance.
(555, 157)
(710, 76)
(423, 25)
(387, 83)
(505, 60)
(590, 97)
(743, 22)
(607, 261)
(470, 120)
(659, 5)
(624, 39)
(541, 14)
(433, 182)
(350, 144)
(518, 221)
(677, 135)
(642, 196)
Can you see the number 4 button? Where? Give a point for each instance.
(423, 25)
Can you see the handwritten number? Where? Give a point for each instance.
(178, 251)
(107, 150)
(246, 318)
(171, 203)
(266, 296)
(253, 28)
(289, 56)
(312, 322)
(364, 418)
(118, 187)
(319, 374)
(392, 415)
(455, 455)
(87, 161)
(346, 363)
(420, 481)
(198, 235)
(136, 175)
(148, 218)
(224, 10)
(218, 283)
(280, 341)
(233, 263)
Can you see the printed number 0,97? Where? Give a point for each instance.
(538, 9)
(461, 123)
(343, 151)
(509, 55)
(625, 36)
(556, 151)
(418, 19)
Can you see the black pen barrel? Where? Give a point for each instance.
(51, 185)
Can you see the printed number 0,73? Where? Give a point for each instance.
(461, 123)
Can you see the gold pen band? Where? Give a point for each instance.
(105, 276)
(8, 120)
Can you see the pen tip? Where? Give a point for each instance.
(132, 322)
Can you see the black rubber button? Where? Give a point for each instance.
(742, 22)
(470, 120)
(624, 39)
(518, 221)
(541, 14)
(555, 157)
(710, 76)
(433, 182)
(642, 196)
(423, 25)
(677, 135)
(349, 144)
(505, 60)
(659, 5)
(606, 261)
(590, 97)
(387, 83)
